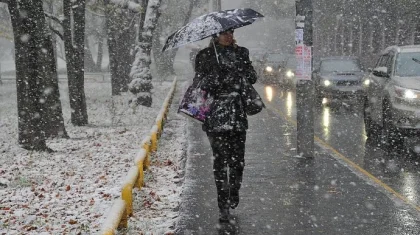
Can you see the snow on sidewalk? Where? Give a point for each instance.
(70, 191)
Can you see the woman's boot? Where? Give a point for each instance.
(234, 198)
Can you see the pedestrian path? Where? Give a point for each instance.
(285, 194)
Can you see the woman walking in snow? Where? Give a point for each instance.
(220, 69)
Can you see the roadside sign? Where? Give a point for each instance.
(299, 36)
(304, 62)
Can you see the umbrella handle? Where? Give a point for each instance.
(215, 51)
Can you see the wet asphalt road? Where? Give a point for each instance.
(352, 186)
(342, 131)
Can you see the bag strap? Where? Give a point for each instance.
(215, 51)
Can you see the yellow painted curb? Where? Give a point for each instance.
(117, 218)
(127, 189)
(139, 161)
(146, 145)
(153, 135)
(123, 208)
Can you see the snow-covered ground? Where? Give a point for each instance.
(70, 190)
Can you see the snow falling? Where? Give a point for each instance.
(336, 150)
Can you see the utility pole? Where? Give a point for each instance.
(304, 86)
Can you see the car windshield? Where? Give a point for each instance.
(408, 64)
(340, 66)
(275, 57)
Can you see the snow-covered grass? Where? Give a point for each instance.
(71, 190)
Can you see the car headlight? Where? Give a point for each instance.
(290, 74)
(269, 69)
(405, 93)
(327, 83)
(366, 82)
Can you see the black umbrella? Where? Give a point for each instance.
(210, 24)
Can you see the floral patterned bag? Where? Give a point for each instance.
(195, 103)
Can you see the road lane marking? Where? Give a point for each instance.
(349, 162)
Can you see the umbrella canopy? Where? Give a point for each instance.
(210, 24)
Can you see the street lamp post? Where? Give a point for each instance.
(304, 86)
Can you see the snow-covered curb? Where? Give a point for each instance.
(117, 218)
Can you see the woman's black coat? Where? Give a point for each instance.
(222, 80)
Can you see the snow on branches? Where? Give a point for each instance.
(127, 4)
(140, 71)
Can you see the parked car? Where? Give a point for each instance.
(278, 68)
(339, 79)
(392, 104)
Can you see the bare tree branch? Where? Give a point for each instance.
(132, 21)
(53, 17)
(57, 32)
(94, 13)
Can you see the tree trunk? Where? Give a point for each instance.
(417, 37)
(53, 36)
(141, 85)
(350, 42)
(29, 80)
(112, 51)
(360, 37)
(335, 36)
(100, 54)
(397, 29)
(342, 37)
(413, 25)
(371, 37)
(90, 65)
(74, 42)
(121, 34)
(417, 25)
(54, 121)
(125, 54)
(144, 3)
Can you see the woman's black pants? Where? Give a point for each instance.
(228, 152)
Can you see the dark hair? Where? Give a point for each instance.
(218, 34)
(229, 30)
(214, 39)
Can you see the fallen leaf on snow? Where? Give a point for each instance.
(168, 162)
(29, 228)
